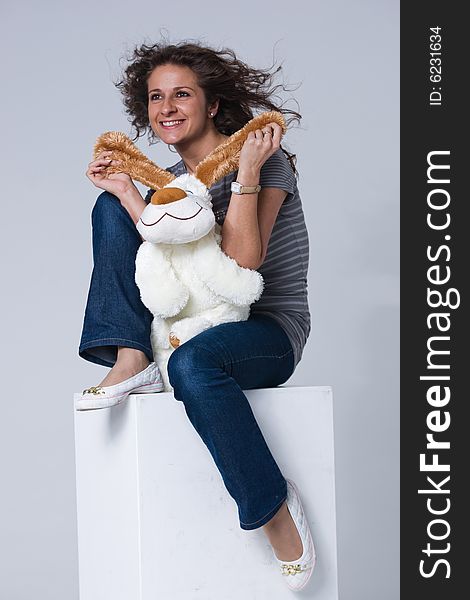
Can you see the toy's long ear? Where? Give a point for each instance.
(224, 159)
(134, 162)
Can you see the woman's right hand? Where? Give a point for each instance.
(115, 183)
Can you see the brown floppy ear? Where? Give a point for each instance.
(224, 159)
(134, 162)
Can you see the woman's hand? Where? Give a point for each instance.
(118, 184)
(258, 147)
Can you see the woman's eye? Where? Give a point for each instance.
(157, 96)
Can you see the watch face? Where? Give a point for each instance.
(236, 187)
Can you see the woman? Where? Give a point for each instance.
(193, 97)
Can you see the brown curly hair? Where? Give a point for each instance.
(240, 88)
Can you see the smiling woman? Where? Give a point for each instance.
(177, 112)
(192, 97)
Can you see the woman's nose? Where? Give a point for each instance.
(167, 106)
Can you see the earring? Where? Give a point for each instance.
(211, 114)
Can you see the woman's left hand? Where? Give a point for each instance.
(258, 147)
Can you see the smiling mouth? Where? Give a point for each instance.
(173, 217)
(170, 124)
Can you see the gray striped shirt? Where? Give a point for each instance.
(285, 267)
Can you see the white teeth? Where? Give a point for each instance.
(169, 123)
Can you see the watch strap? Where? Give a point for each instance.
(238, 188)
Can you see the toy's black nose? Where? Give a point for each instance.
(167, 195)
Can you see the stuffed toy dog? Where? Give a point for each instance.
(185, 279)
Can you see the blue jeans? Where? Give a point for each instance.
(208, 372)
(114, 313)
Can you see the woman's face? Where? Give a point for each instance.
(174, 95)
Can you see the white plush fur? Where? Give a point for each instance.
(189, 286)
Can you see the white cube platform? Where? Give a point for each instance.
(155, 521)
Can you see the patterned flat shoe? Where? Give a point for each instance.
(298, 572)
(146, 382)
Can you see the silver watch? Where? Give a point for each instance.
(238, 188)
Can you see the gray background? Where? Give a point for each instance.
(58, 63)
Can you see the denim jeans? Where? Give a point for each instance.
(114, 313)
(208, 372)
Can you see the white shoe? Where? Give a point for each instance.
(298, 572)
(146, 382)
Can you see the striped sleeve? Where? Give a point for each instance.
(277, 172)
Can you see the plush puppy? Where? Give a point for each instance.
(185, 279)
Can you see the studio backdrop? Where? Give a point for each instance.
(60, 62)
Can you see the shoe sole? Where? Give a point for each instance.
(309, 540)
(95, 405)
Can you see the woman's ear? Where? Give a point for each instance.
(213, 108)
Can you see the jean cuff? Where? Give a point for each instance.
(104, 351)
(263, 520)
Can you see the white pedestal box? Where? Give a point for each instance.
(155, 521)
